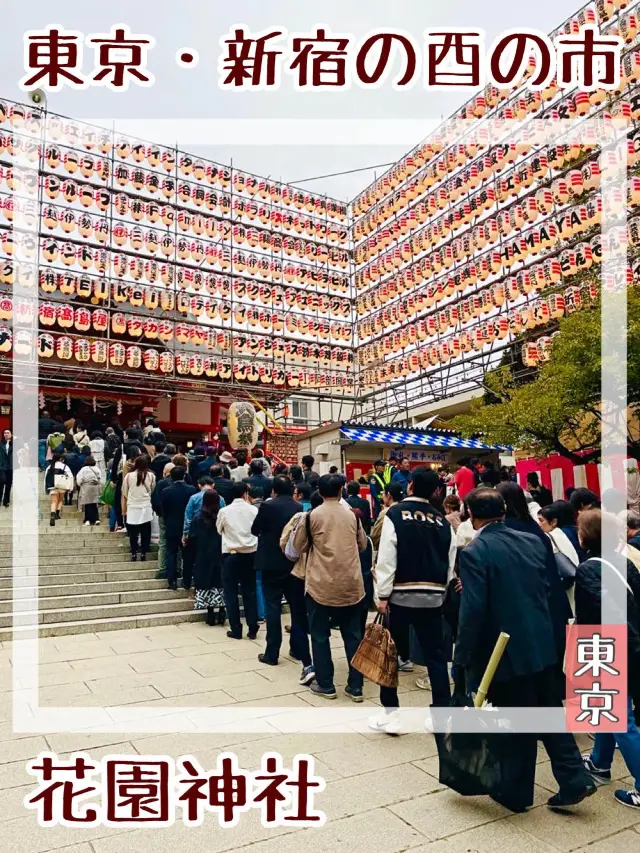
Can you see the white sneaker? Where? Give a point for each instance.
(387, 722)
(97, 524)
(404, 665)
(87, 524)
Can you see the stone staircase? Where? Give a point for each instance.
(86, 582)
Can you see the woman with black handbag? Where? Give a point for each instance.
(58, 480)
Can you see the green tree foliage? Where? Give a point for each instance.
(560, 410)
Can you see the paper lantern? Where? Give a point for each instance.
(134, 357)
(64, 347)
(82, 350)
(46, 346)
(530, 355)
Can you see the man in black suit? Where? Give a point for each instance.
(504, 589)
(164, 455)
(259, 484)
(222, 486)
(268, 525)
(173, 502)
(356, 502)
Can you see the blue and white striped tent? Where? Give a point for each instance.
(416, 438)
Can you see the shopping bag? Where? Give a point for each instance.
(376, 657)
(155, 530)
(63, 482)
(108, 495)
(488, 761)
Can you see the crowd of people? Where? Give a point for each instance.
(450, 560)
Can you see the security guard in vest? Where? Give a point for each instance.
(381, 477)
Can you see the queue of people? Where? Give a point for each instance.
(449, 560)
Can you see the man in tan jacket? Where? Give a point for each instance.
(332, 538)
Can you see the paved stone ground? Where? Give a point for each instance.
(382, 793)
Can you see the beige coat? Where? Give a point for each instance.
(299, 566)
(333, 574)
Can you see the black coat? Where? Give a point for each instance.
(156, 503)
(224, 488)
(207, 545)
(158, 465)
(589, 607)
(363, 505)
(6, 459)
(268, 526)
(559, 606)
(74, 460)
(261, 486)
(504, 588)
(173, 501)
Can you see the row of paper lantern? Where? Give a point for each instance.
(87, 287)
(561, 191)
(70, 135)
(536, 277)
(184, 278)
(461, 275)
(16, 178)
(489, 233)
(194, 306)
(99, 290)
(152, 328)
(329, 283)
(523, 176)
(482, 103)
(123, 234)
(527, 316)
(457, 254)
(65, 316)
(209, 254)
(134, 357)
(517, 321)
(518, 107)
(484, 160)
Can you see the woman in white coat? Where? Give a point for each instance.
(557, 522)
(97, 446)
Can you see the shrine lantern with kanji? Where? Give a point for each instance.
(242, 425)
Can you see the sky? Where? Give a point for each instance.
(193, 93)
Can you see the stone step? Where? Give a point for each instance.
(90, 562)
(115, 623)
(106, 611)
(99, 599)
(102, 574)
(9, 520)
(77, 589)
(67, 553)
(55, 537)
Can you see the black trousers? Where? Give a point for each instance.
(238, 571)
(427, 626)
(173, 548)
(274, 587)
(188, 559)
(91, 513)
(349, 621)
(139, 537)
(367, 601)
(541, 691)
(6, 481)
